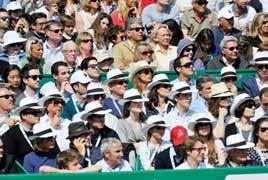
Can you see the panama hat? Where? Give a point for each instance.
(238, 101)
(94, 108)
(115, 75)
(132, 95)
(179, 88)
(261, 57)
(42, 130)
(237, 141)
(49, 92)
(159, 79)
(220, 90)
(28, 103)
(201, 118)
(94, 89)
(139, 66)
(153, 121)
(228, 71)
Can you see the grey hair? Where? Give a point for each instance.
(131, 21)
(107, 144)
(227, 39)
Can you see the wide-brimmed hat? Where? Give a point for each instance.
(159, 79)
(48, 93)
(178, 134)
(28, 103)
(102, 55)
(237, 141)
(14, 5)
(42, 130)
(220, 90)
(201, 118)
(261, 57)
(238, 101)
(12, 37)
(228, 71)
(115, 75)
(94, 108)
(80, 76)
(226, 14)
(139, 66)
(153, 121)
(132, 95)
(179, 88)
(77, 129)
(94, 89)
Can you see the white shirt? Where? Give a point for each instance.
(260, 84)
(186, 166)
(163, 59)
(124, 166)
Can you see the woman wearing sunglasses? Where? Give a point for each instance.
(218, 106)
(260, 137)
(229, 77)
(242, 108)
(202, 124)
(144, 51)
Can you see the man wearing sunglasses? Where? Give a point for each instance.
(4, 20)
(124, 51)
(229, 77)
(230, 55)
(31, 78)
(200, 17)
(254, 84)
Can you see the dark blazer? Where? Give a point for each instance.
(250, 86)
(108, 104)
(217, 63)
(163, 161)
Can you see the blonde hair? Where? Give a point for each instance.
(123, 10)
(155, 30)
(29, 45)
(257, 23)
(81, 36)
(139, 48)
(85, 5)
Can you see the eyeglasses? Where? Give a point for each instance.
(263, 129)
(165, 86)
(6, 18)
(93, 66)
(262, 66)
(7, 96)
(187, 65)
(147, 53)
(188, 49)
(201, 3)
(121, 83)
(15, 45)
(87, 40)
(55, 30)
(137, 29)
(34, 113)
(232, 48)
(250, 104)
(227, 79)
(35, 77)
(199, 150)
(146, 71)
(98, 96)
(58, 101)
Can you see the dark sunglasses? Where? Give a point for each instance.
(34, 113)
(227, 79)
(137, 29)
(166, 86)
(6, 18)
(95, 1)
(93, 66)
(232, 48)
(250, 104)
(243, 46)
(7, 96)
(262, 66)
(15, 45)
(98, 96)
(188, 49)
(201, 3)
(58, 101)
(87, 40)
(146, 71)
(147, 53)
(56, 30)
(187, 65)
(120, 82)
(263, 129)
(35, 77)
(264, 22)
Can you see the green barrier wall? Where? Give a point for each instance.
(200, 174)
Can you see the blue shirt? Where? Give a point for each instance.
(151, 14)
(199, 104)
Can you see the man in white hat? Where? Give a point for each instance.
(16, 139)
(253, 85)
(79, 82)
(237, 151)
(181, 94)
(117, 84)
(229, 77)
(225, 27)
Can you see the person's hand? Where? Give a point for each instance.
(79, 143)
(133, 12)
(22, 26)
(11, 121)
(232, 87)
(223, 111)
(55, 120)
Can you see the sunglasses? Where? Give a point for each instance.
(146, 71)
(6, 18)
(232, 48)
(121, 83)
(199, 150)
(201, 2)
(93, 66)
(227, 79)
(15, 45)
(264, 22)
(262, 66)
(250, 104)
(188, 49)
(165, 86)
(243, 46)
(230, 99)
(95, 1)
(35, 77)
(34, 113)
(56, 30)
(87, 40)
(58, 101)
(147, 53)
(7, 96)
(187, 65)
(98, 96)
(263, 129)
(137, 29)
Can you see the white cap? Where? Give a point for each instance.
(14, 5)
(80, 76)
(225, 13)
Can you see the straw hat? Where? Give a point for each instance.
(228, 71)
(179, 88)
(220, 90)
(94, 89)
(49, 92)
(115, 75)
(201, 118)
(42, 130)
(261, 57)
(139, 66)
(159, 79)
(238, 101)
(94, 108)
(28, 103)
(153, 121)
(132, 95)
(237, 141)
(80, 76)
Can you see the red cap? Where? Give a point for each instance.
(178, 135)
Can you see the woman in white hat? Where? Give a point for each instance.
(218, 106)
(141, 74)
(158, 96)
(202, 124)
(242, 108)
(45, 149)
(129, 127)
(147, 150)
(229, 77)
